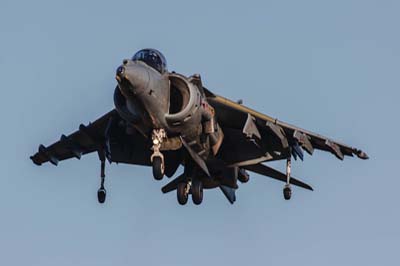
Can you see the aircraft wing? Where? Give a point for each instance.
(265, 131)
(90, 138)
(108, 136)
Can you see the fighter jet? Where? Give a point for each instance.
(165, 120)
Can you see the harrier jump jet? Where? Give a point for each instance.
(164, 119)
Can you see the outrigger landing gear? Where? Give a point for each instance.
(287, 191)
(157, 158)
(101, 193)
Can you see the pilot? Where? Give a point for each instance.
(153, 58)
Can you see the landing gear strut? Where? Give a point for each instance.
(101, 193)
(287, 191)
(157, 158)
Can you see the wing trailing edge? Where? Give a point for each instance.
(275, 174)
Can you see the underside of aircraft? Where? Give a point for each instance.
(165, 120)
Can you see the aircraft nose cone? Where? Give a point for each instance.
(120, 72)
(132, 77)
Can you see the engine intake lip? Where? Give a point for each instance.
(189, 104)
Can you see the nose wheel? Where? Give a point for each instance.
(157, 158)
(158, 167)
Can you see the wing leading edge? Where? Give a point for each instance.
(87, 139)
(294, 136)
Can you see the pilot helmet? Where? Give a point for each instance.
(152, 58)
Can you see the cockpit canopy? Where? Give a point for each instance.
(152, 58)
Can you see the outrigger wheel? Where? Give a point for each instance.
(101, 195)
(287, 192)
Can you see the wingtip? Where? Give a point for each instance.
(362, 155)
(34, 160)
(307, 186)
(301, 184)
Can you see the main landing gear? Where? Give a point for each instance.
(197, 192)
(102, 193)
(157, 158)
(194, 187)
(182, 192)
(287, 191)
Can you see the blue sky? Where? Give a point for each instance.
(327, 66)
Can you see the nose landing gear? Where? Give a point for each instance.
(157, 158)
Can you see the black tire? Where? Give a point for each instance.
(197, 192)
(244, 178)
(287, 193)
(101, 195)
(158, 168)
(182, 196)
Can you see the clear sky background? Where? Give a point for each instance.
(328, 66)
